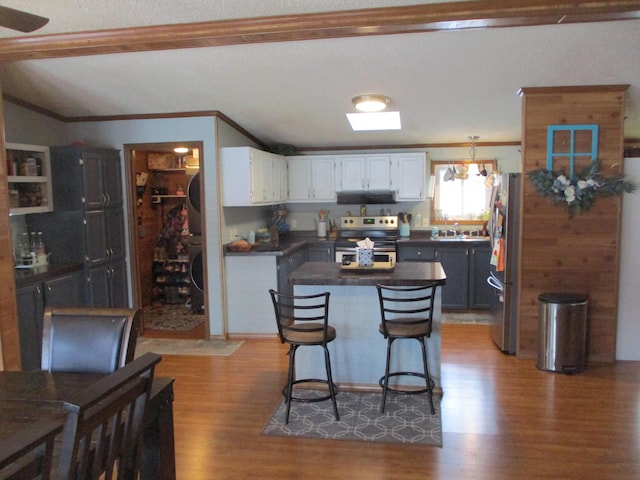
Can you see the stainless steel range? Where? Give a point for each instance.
(382, 230)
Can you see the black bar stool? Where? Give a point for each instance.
(303, 321)
(407, 313)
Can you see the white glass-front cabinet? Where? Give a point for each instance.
(365, 172)
(29, 179)
(409, 176)
(312, 178)
(252, 177)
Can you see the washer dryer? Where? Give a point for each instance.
(193, 196)
(196, 273)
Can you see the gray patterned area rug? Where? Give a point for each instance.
(407, 419)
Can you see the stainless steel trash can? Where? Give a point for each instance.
(563, 332)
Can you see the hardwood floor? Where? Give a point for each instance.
(502, 419)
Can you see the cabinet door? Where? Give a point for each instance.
(286, 265)
(108, 285)
(112, 180)
(455, 262)
(323, 179)
(321, 252)
(93, 188)
(118, 291)
(99, 278)
(281, 183)
(479, 289)
(409, 178)
(352, 173)
(237, 182)
(30, 304)
(260, 177)
(116, 243)
(416, 253)
(65, 291)
(378, 172)
(95, 231)
(299, 179)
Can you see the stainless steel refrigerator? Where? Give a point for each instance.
(504, 226)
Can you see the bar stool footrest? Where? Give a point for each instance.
(310, 399)
(407, 391)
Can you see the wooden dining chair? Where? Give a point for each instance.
(28, 454)
(89, 340)
(103, 433)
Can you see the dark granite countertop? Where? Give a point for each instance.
(285, 246)
(28, 276)
(404, 274)
(423, 237)
(297, 240)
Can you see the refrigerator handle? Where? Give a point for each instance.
(495, 282)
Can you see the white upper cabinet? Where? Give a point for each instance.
(365, 172)
(409, 176)
(312, 178)
(252, 177)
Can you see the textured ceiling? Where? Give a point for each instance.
(446, 85)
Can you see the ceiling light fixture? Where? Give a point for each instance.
(181, 149)
(371, 102)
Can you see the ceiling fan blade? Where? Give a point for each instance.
(21, 21)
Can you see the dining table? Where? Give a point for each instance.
(35, 396)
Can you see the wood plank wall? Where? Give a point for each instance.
(579, 254)
(9, 340)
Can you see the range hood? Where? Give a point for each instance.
(369, 197)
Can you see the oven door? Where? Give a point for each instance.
(350, 256)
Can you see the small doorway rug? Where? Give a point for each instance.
(171, 317)
(407, 419)
(166, 346)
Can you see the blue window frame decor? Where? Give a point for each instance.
(568, 143)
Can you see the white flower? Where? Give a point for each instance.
(562, 179)
(570, 194)
(582, 184)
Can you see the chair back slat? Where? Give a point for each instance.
(409, 306)
(103, 433)
(68, 333)
(301, 313)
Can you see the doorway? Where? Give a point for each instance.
(166, 237)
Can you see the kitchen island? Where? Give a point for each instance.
(358, 353)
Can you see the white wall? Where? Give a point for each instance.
(628, 341)
(116, 134)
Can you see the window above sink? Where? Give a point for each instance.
(462, 191)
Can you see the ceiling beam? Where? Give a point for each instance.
(317, 26)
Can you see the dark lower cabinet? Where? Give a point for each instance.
(479, 289)
(62, 291)
(321, 252)
(455, 293)
(107, 285)
(285, 265)
(466, 266)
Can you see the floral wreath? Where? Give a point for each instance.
(579, 192)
